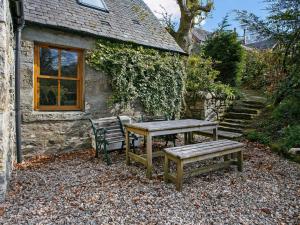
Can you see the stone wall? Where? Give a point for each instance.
(7, 139)
(55, 132)
(203, 106)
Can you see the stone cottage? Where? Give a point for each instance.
(58, 90)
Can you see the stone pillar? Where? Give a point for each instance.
(6, 96)
(204, 107)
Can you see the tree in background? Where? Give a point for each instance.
(227, 52)
(192, 12)
(282, 26)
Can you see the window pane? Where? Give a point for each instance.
(69, 62)
(94, 3)
(68, 92)
(48, 92)
(49, 62)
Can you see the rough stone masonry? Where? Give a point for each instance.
(7, 139)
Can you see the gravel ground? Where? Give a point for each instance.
(78, 189)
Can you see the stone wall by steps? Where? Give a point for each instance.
(7, 138)
(202, 106)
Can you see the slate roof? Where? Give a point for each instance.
(200, 34)
(262, 45)
(127, 20)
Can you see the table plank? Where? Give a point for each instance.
(170, 125)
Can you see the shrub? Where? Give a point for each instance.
(258, 137)
(288, 111)
(254, 73)
(262, 71)
(226, 51)
(279, 127)
(202, 77)
(291, 137)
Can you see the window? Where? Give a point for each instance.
(97, 4)
(58, 78)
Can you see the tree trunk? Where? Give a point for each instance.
(184, 35)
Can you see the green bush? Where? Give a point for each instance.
(288, 111)
(254, 73)
(291, 137)
(279, 127)
(227, 52)
(258, 137)
(202, 77)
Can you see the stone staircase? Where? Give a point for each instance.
(238, 117)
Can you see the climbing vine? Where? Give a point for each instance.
(153, 78)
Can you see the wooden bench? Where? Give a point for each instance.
(230, 150)
(107, 133)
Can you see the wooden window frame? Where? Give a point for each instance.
(37, 76)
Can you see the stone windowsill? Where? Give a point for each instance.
(54, 116)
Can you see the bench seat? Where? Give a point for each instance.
(230, 150)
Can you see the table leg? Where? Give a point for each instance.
(185, 138)
(149, 156)
(191, 138)
(127, 142)
(215, 134)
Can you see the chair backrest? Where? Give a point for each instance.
(147, 118)
(113, 129)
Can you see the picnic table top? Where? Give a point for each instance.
(170, 125)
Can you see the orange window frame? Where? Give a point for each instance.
(59, 78)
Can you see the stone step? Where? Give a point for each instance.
(254, 103)
(222, 134)
(236, 121)
(231, 129)
(243, 110)
(239, 116)
(249, 106)
(233, 125)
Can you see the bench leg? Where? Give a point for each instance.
(179, 178)
(240, 161)
(166, 169)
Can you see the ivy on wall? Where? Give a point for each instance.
(153, 78)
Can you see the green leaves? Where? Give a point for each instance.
(227, 52)
(201, 78)
(150, 77)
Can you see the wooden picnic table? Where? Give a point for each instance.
(160, 128)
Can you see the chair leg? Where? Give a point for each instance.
(167, 141)
(133, 146)
(174, 140)
(97, 150)
(107, 158)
